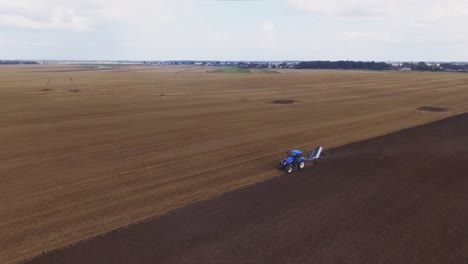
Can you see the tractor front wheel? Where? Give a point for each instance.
(288, 169)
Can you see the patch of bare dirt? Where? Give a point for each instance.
(433, 109)
(285, 101)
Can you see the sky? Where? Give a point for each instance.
(380, 30)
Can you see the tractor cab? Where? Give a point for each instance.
(295, 153)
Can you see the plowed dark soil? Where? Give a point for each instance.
(400, 198)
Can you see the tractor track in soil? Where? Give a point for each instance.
(399, 198)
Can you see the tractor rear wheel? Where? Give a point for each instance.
(288, 169)
(301, 165)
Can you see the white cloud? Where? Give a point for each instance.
(42, 15)
(395, 28)
(268, 34)
(365, 36)
(59, 19)
(268, 26)
(339, 8)
(403, 9)
(81, 15)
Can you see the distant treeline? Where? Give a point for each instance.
(345, 65)
(3, 62)
(379, 66)
(454, 67)
(422, 66)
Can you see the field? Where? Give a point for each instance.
(78, 164)
(269, 71)
(400, 198)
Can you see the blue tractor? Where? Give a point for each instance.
(295, 161)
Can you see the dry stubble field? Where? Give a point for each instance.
(78, 164)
